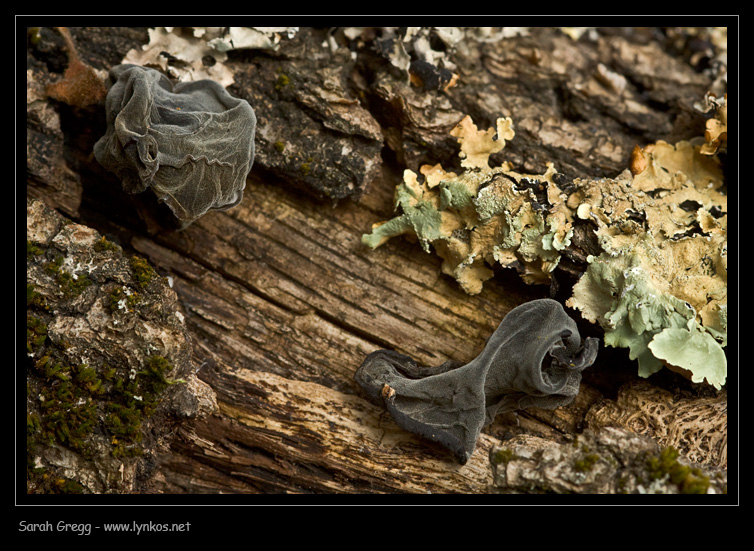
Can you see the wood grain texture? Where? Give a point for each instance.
(284, 303)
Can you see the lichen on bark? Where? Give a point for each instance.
(607, 461)
(653, 223)
(108, 362)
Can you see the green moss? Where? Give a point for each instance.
(586, 463)
(306, 166)
(137, 399)
(68, 414)
(70, 285)
(689, 480)
(282, 81)
(32, 250)
(36, 334)
(143, 273)
(82, 406)
(502, 456)
(32, 428)
(43, 481)
(123, 422)
(108, 372)
(33, 35)
(104, 245)
(34, 299)
(120, 300)
(67, 486)
(53, 267)
(279, 146)
(73, 400)
(75, 405)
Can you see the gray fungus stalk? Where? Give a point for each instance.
(533, 359)
(192, 142)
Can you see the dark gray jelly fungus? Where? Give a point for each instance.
(192, 142)
(533, 359)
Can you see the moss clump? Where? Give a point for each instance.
(32, 427)
(153, 376)
(120, 300)
(586, 463)
(67, 412)
(103, 245)
(74, 399)
(502, 456)
(71, 285)
(36, 334)
(306, 166)
(279, 146)
(123, 422)
(282, 81)
(32, 250)
(33, 34)
(42, 481)
(33, 298)
(143, 273)
(689, 480)
(134, 400)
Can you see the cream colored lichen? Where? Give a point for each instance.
(477, 145)
(660, 286)
(181, 52)
(716, 132)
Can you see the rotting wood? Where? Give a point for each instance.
(281, 435)
(308, 259)
(246, 327)
(280, 294)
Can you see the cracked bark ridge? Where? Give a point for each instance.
(108, 364)
(312, 131)
(533, 359)
(582, 105)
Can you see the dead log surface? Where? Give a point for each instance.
(283, 302)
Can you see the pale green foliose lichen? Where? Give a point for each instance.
(620, 292)
(659, 288)
(483, 216)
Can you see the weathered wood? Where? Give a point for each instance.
(282, 435)
(258, 325)
(307, 257)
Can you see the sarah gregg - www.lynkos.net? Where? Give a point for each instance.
(85, 528)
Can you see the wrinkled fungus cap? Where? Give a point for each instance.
(192, 142)
(533, 359)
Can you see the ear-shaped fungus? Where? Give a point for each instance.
(533, 359)
(192, 143)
